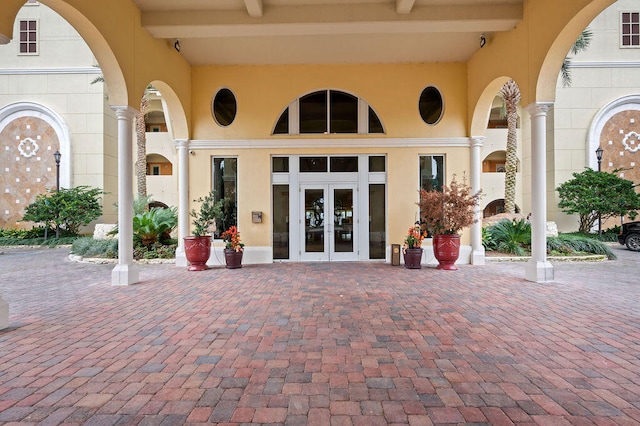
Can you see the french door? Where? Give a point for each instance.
(327, 230)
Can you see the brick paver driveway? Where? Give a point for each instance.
(339, 343)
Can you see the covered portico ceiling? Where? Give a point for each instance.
(327, 31)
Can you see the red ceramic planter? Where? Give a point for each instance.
(197, 251)
(446, 249)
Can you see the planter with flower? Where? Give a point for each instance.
(412, 249)
(197, 248)
(444, 214)
(233, 248)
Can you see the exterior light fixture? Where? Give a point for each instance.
(483, 40)
(57, 156)
(599, 158)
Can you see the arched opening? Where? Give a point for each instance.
(496, 207)
(158, 165)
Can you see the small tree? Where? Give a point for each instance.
(450, 210)
(591, 194)
(69, 208)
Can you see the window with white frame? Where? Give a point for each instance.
(630, 29)
(225, 185)
(431, 173)
(29, 37)
(328, 112)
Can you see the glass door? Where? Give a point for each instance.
(329, 216)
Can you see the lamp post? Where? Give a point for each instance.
(599, 158)
(57, 156)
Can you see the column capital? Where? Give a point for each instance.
(181, 143)
(124, 112)
(477, 141)
(538, 108)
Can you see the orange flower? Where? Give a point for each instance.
(231, 238)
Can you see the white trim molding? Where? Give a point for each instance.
(605, 64)
(297, 142)
(39, 71)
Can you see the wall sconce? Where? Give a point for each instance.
(176, 45)
(483, 41)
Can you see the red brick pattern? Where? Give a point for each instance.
(319, 344)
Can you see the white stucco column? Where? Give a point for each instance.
(125, 272)
(183, 199)
(477, 249)
(539, 269)
(4, 314)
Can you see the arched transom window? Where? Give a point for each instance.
(326, 112)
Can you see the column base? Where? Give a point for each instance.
(539, 271)
(181, 257)
(477, 257)
(124, 275)
(4, 314)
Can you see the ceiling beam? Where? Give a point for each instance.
(255, 8)
(403, 7)
(334, 19)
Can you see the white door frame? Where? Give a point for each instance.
(327, 228)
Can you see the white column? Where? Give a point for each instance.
(539, 269)
(4, 314)
(183, 199)
(125, 272)
(477, 249)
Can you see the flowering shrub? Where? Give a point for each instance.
(414, 237)
(231, 239)
(449, 210)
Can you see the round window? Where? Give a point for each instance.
(224, 107)
(431, 105)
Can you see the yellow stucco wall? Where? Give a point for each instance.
(392, 90)
(263, 92)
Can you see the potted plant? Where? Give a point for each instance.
(412, 249)
(197, 248)
(233, 248)
(444, 214)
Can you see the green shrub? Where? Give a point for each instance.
(569, 244)
(35, 232)
(487, 239)
(155, 251)
(67, 209)
(509, 236)
(153, 225)
(90, 247)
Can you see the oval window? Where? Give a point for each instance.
(430, 105)
(224, 107)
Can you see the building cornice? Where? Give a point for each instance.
(40, 71)
(605, 64)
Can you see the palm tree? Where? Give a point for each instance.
(141, 145)
(141, 140)
(510, 92)
(581, 44)
(511, 95)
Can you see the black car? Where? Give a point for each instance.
(630, 235)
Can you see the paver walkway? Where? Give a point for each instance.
(339, 344)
